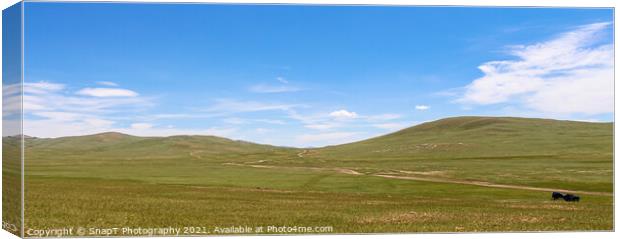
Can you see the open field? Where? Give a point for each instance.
(386, 206)
(11, 185)
(457, 174)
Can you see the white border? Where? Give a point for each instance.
(502, 3)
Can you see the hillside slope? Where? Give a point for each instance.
(484, 137)
(511, 151)
(112, 145)
(496, 172)
(459, 137)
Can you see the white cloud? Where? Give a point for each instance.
(168, 131)
(107, 83)
(50, 111)
(59, 116)
(305, 118)
(262, 88)
(11, 89)
(11, 100)
(42, 87)
(99, 123)
(570, 74)
(107, 92)
(141, 126)
(422, 107)
(283, 87)
(53, 112)
(57, 124)
(282, 80)
(38, 100)
(343, 114)
(49, 128)
(341, 119)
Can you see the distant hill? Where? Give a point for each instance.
(484, 136)
(451, 137)
(514, 151)
(115, 145)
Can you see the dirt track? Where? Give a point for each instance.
(429, 179)
(339, 170)
(491, 185)
(301, 154)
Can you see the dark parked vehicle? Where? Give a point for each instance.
(571, 198)
(566, 197)
(557, 195)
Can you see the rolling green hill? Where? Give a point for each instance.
(117, 142)
(117, 146)
(484, 137)
(525, 151)
(534, 152)
(450, 137)
(498, 171)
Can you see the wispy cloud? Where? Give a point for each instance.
(107, 83)
(11, 101)
(282, 80)
(343, 114)
(422, 107)
(263, 88)
(572, 73)
(42, 87)
(52, 111)
(98, 123)
(55, 128)
(107, 92)
(47, 96)
(141, 126)
(240, 106)
(338, 120)
(60, 116)
(282, 87)
(170, 131)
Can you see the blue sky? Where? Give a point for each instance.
(307, 75)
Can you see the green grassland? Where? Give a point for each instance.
(11, 185)
(456, 174)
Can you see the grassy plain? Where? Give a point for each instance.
(11, 185)
(443, 176)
